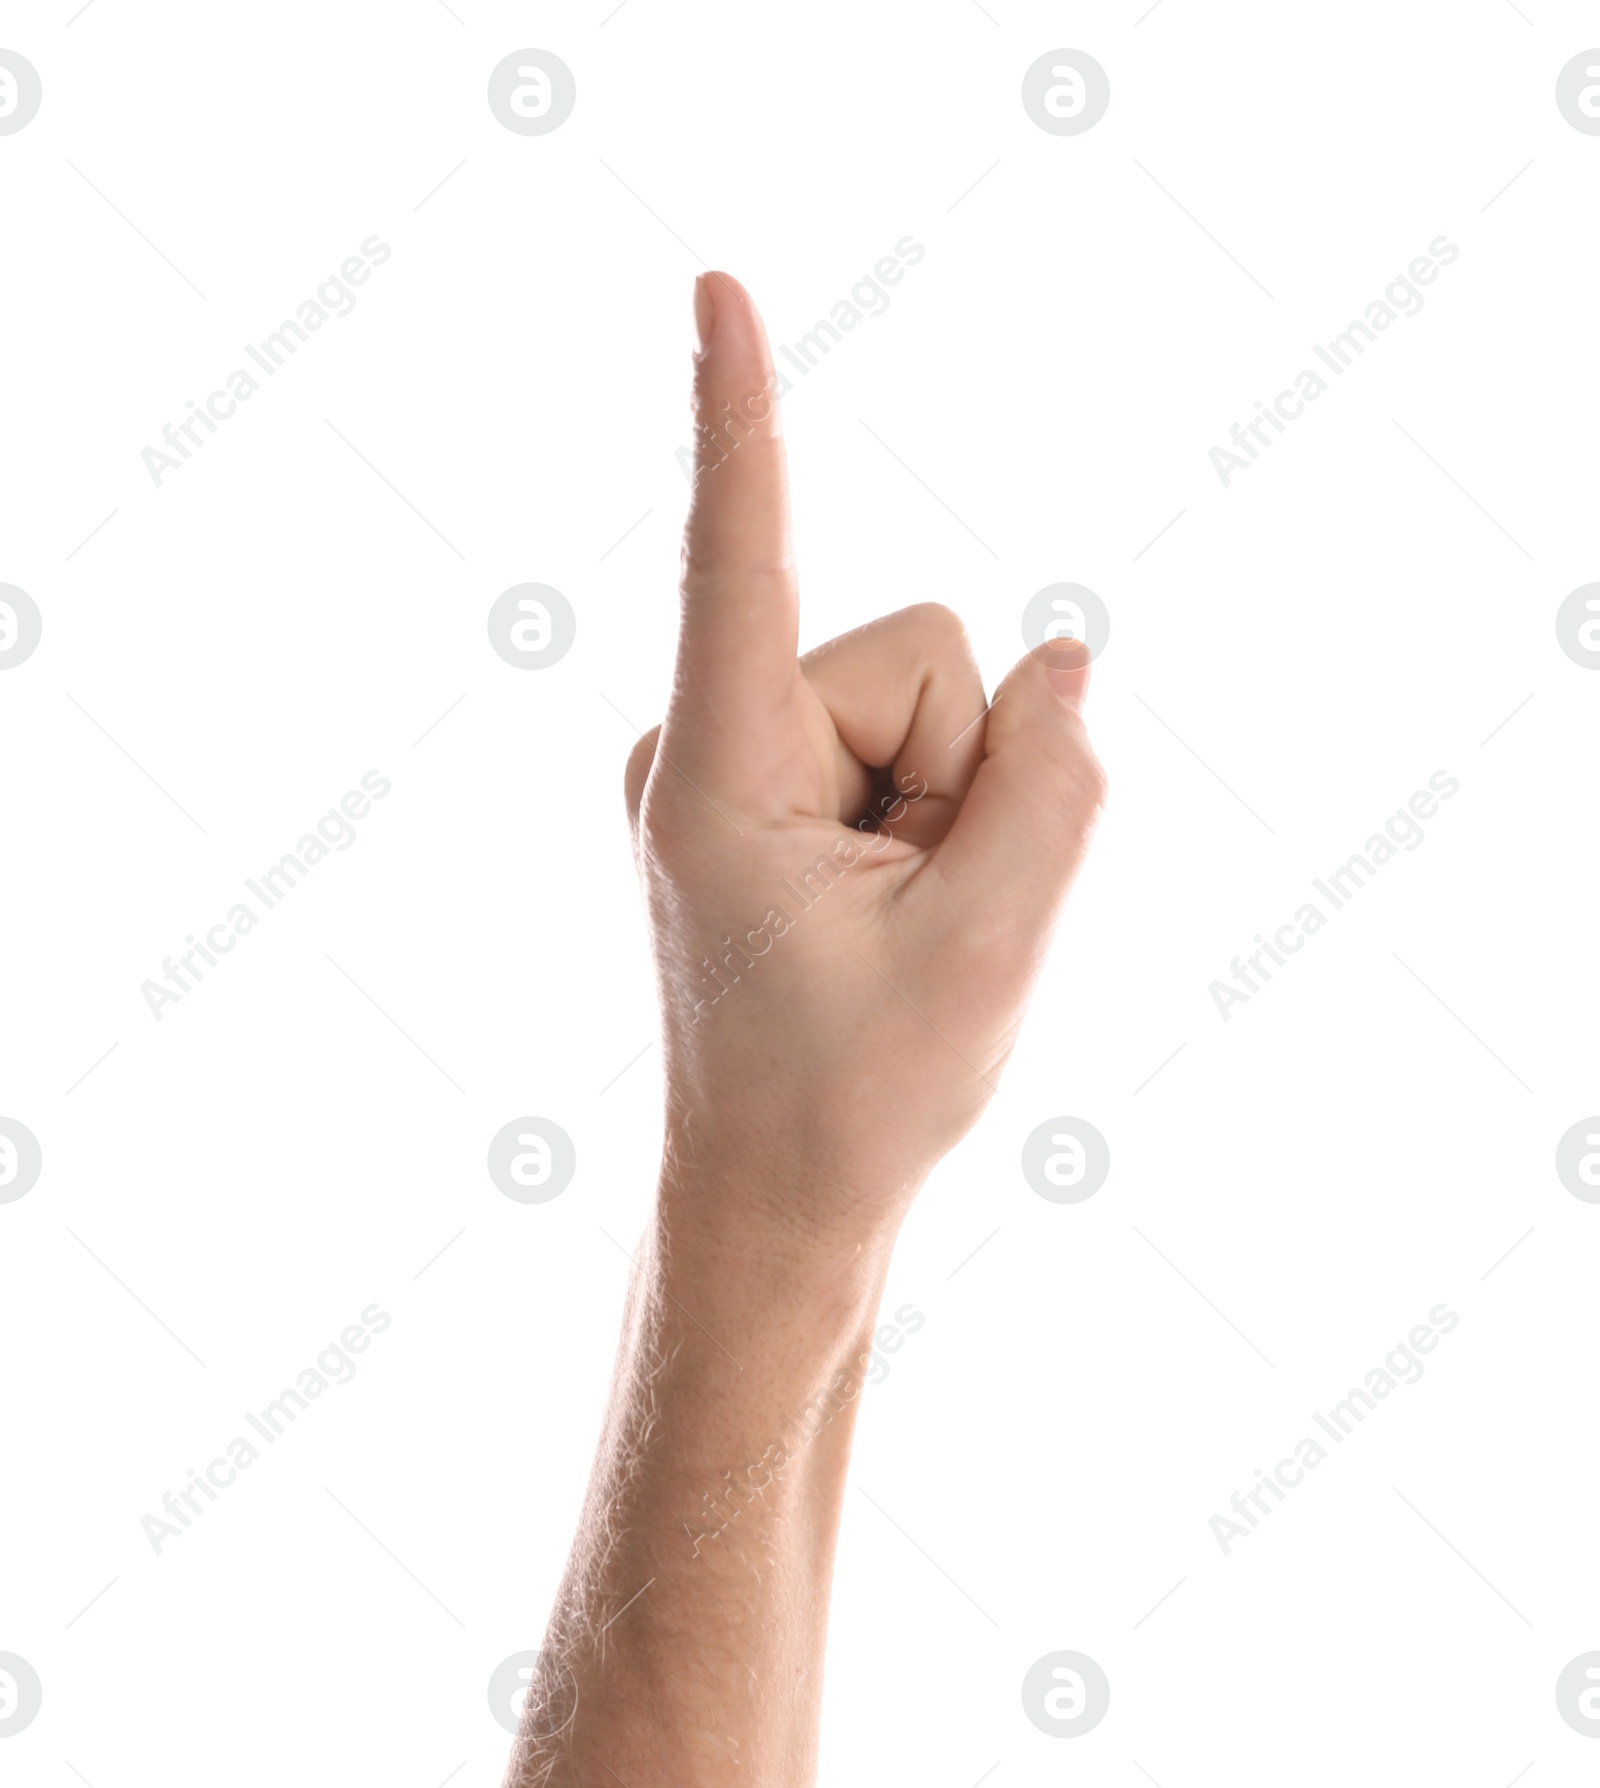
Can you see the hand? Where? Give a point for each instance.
(852, 862)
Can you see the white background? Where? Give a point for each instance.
(1288, 663)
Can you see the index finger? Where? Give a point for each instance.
(739, 636)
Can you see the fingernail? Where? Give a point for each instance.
(1066, 661)
(705, 314)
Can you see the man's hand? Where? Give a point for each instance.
(853, 861)
(852, 864)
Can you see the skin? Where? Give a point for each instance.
(858, 1018)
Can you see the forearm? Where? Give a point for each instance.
(687, 1641)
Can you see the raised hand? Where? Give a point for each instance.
(853, 860)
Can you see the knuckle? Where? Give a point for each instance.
(1095, 783)
(709, 579)
(938, 622)
(1079, 776)
(637, 771)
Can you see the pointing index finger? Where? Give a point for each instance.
(740, 632)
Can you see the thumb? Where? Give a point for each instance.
(1025, 824)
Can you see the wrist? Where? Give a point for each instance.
(794, 1232)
